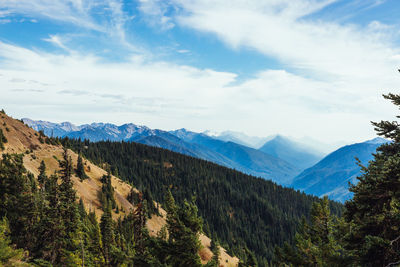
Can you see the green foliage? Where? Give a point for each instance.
(249, 259)
(106, 195)
(17, 200)
(8, 254)
(136, 197)
(369, 235)
(3, 140)
(317, 243)
(374, 211)
(80, 169)
(107, 233)
(184, 227)
(42, 177)
(57, 231)
(243, 211)
(214, 262)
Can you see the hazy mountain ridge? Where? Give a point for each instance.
(331, 175)
(239, 138)
(259, 163)
(292, 152)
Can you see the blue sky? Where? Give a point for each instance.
(298, 68)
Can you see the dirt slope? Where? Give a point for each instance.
(23, 139)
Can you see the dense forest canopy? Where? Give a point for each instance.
(241, 210)
(43, 225)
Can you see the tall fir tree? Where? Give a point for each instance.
(17, 201)
(42, 177)
(69, 211)
(107, 234)
(214, 246)
(8, 254)
(3, 140)
(106, 195)
(317, 243)
(374, 211)
(184, 226)
(80, 169)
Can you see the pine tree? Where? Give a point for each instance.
(51, 228)
(8, 254)
(249, 259)
(3, 140)
(69, 212)
(214, 246)
(184, 226)
(17, 201)
(95, 240)
(42, 177)
(80, 169)
(316, 244)
(106, 195)
(107, 233)
(373, 213)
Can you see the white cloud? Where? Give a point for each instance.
(279, 29)
(156, 10)
(103, 16)
(84, 88)
(71, 11)
(56, 40)
(330, 89)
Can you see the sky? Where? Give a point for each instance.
(304, 68)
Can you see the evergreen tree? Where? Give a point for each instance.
(17, 201)
(69, 212)
(8, 254)
(51, 226)
(80, 169)
(184, 227)
(95, 246)
(249, 259)
(214, 246)
(42, 177)
(3, 140)
(374, 211)
(106, 195)
(107, 234)
(316, 244)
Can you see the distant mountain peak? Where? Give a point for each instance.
(295, 153)
(279, 137)
(377, 140)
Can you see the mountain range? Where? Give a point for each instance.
(265, 163)
(279, 159)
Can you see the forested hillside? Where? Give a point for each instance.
(58, 209)
(243, 211)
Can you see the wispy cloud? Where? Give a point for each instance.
(80, 13)
(280, 29)
(56, 40)
(71, 11)
(156, 11)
